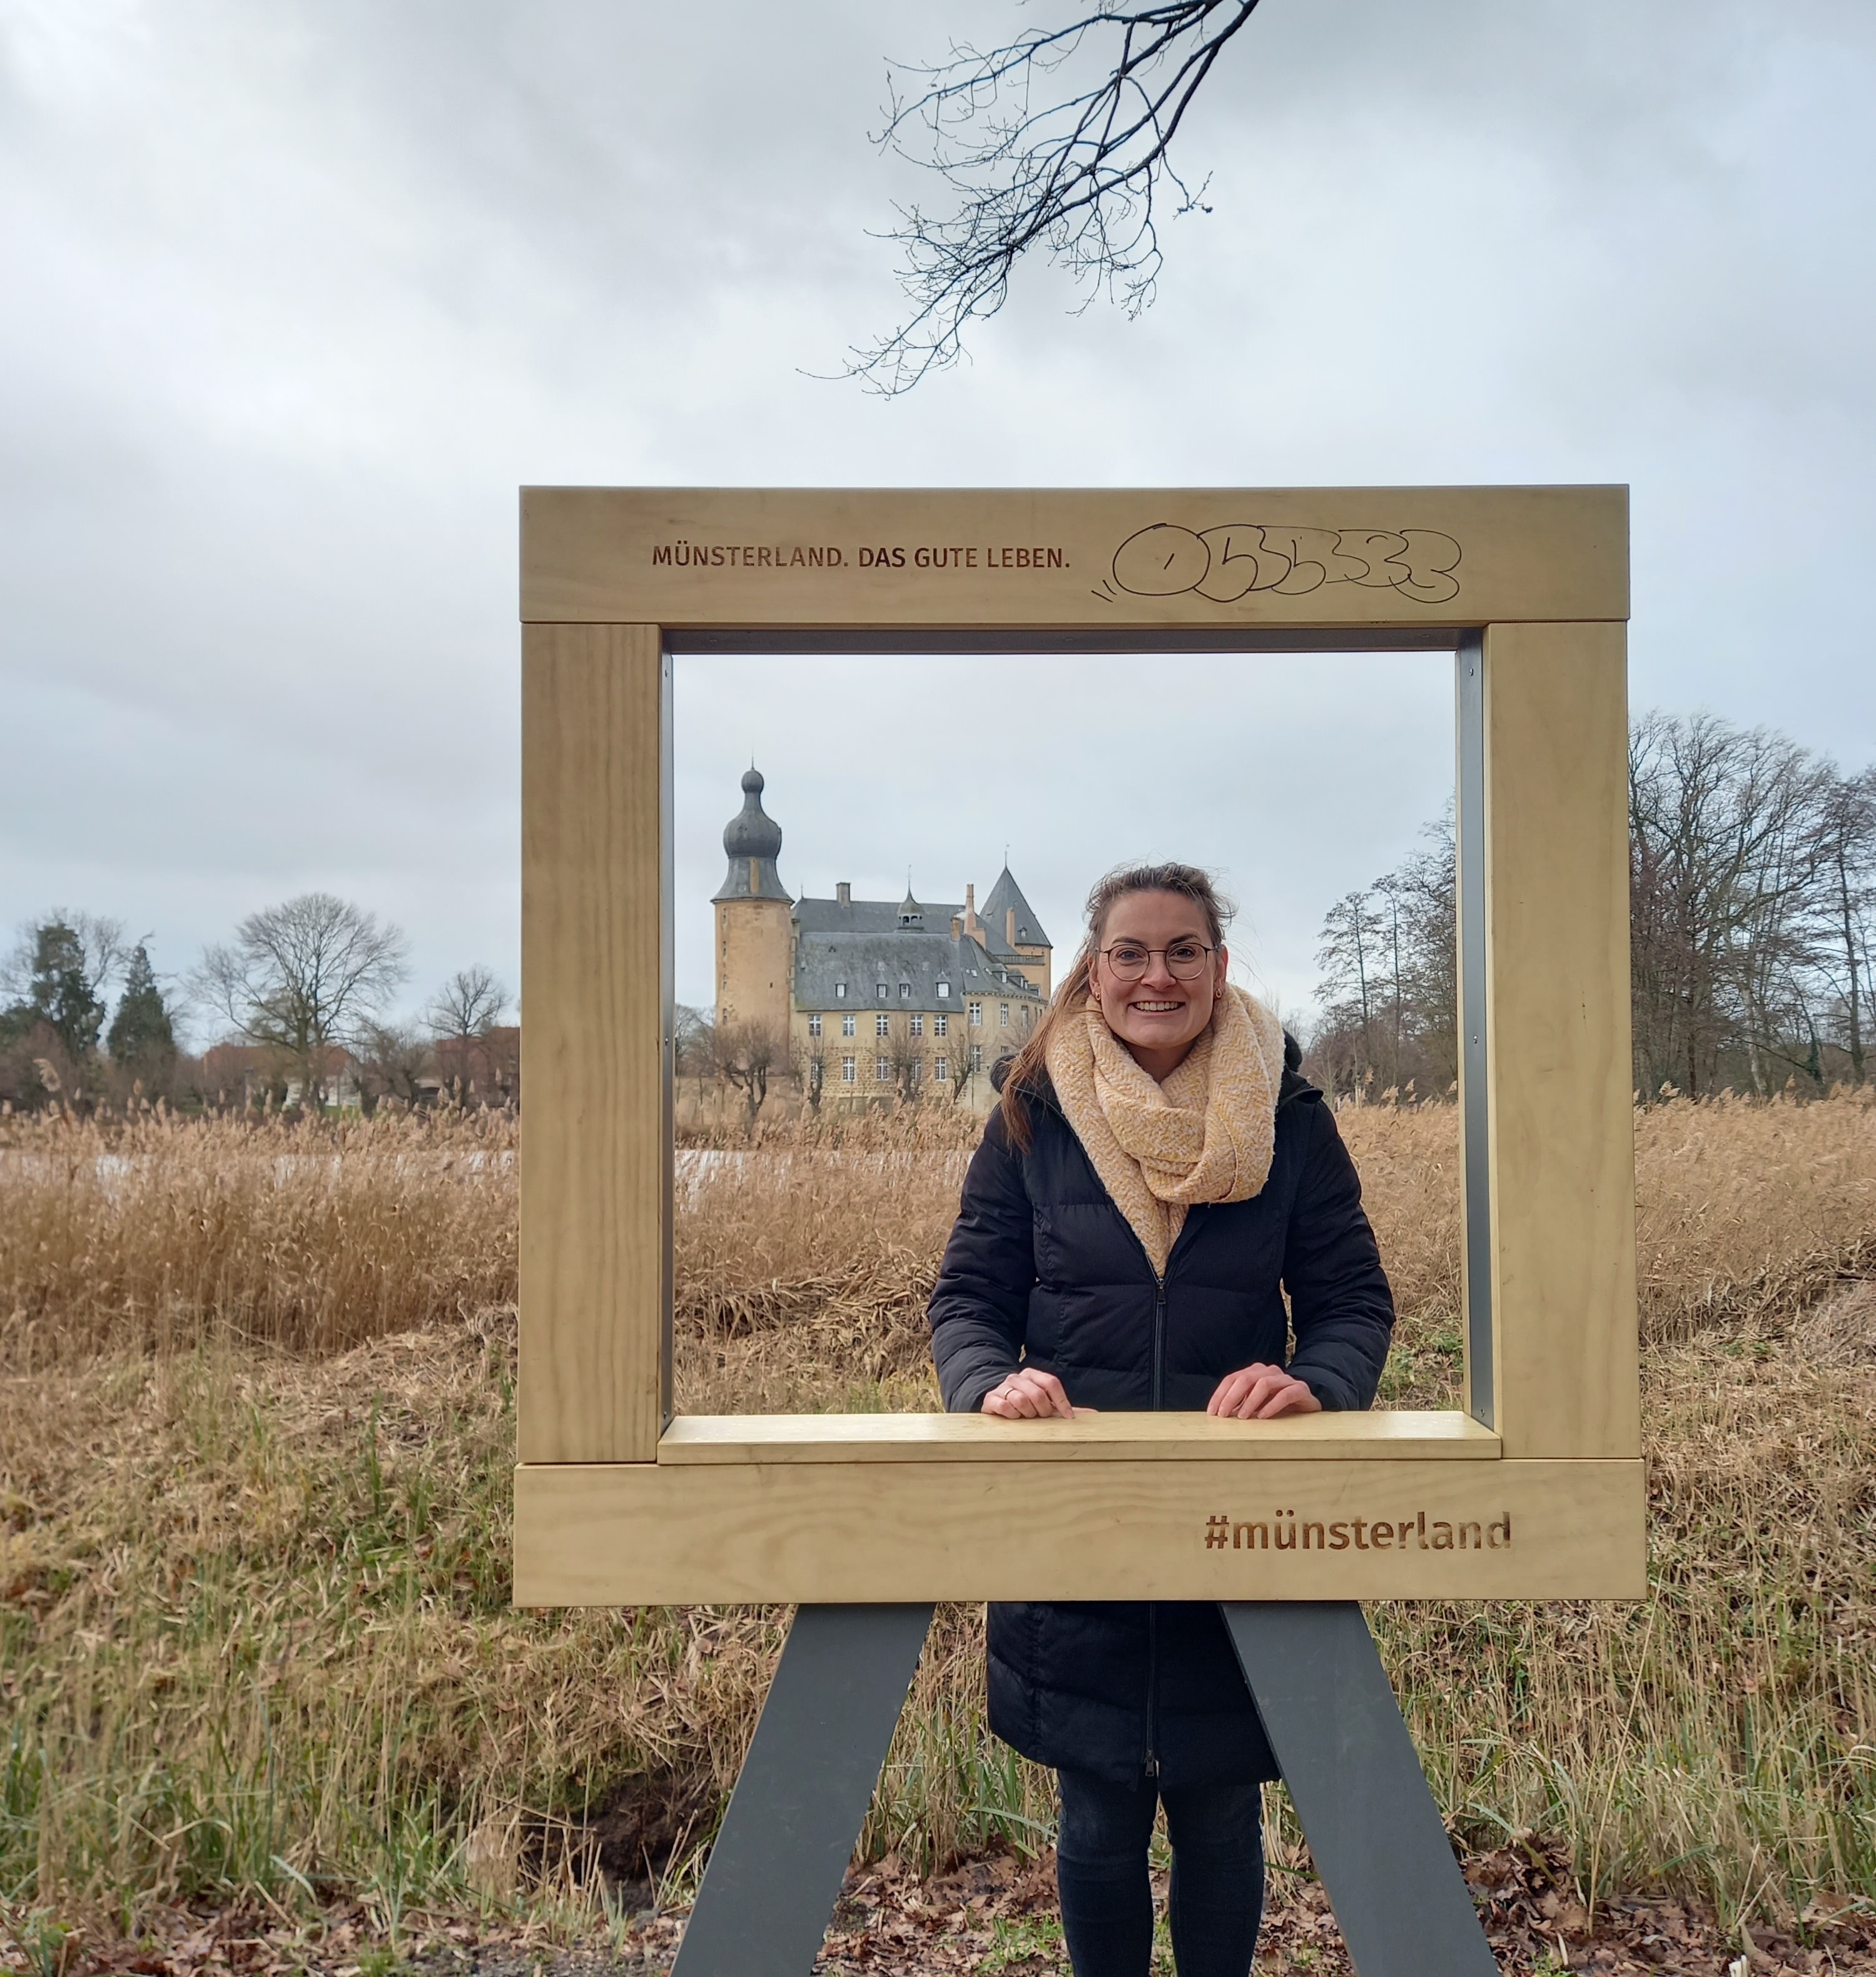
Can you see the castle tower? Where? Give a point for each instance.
(754, 928)
(1015, 929)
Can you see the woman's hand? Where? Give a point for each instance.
(1028, 1394)
(1262, 1393)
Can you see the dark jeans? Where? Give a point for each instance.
(1216, 1900)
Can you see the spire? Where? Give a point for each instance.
(752, 839)
(1009, 916)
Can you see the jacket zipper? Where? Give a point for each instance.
(1152, 1763)
(1159, 1343)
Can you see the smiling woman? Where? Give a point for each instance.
(1179, 1178)
(1156, 1177)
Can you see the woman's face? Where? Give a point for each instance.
(1157, 1017)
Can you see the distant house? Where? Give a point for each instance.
(875, 997)
(481, 1070)
(248, 1074)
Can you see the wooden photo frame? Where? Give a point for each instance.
(1533, 1488)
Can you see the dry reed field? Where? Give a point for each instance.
(256, 1396)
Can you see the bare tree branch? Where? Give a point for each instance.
(468, 1005)
(301, 977)
(1081, 175)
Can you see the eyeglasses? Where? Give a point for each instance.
(1185, 959)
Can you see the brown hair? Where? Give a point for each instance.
(1029, 1069)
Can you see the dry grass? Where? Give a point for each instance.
(256, 1392)
(161, 1231)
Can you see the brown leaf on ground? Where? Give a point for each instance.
(993, 1915)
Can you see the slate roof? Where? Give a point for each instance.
(995, 911)
(752, 839)
(882, 916)
(867, 916)
(917, 960)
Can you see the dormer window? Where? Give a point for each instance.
(840, 991)
(905, 989)
(944, 991)
(884, 992)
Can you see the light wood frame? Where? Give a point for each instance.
(1535, 1490)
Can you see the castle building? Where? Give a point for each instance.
(876, 999)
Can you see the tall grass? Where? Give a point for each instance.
(256, 1419)
(159, 1231)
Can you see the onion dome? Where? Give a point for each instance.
(752, 839)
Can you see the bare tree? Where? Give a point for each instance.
(301, 977)
(906, 1053)
(1349, 954)
(1847, 904)
(693, 1046)
(808, 1064)
(1752, 897)
(748, 1054)
(1723, 839)
(1389, 989)
(393, 1061)
(1062, 139)
(468, 1005)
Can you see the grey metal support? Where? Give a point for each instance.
(1476, 1180)
(774, 1873)
(1355, 1780)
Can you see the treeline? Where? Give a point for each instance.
(1751, 892)
(299, 1002)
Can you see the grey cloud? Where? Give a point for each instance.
(298, 295)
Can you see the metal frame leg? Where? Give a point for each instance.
(1355, 1778)
(774, 1873)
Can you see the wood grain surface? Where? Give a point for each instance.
(596, 1172)
(1558, 1064)
(1102, 558)
(618, 1534)
(1440, 1436)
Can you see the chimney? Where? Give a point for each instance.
(973, 925)
(843, 892)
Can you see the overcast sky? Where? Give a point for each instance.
(297, 295)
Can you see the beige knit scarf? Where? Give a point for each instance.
(1206, 1134)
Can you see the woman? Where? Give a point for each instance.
(1155, 1176)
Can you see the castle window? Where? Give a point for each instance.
(847, 1026)
(883, 1071)
(813, 1023)
(1003, 1015)
(944, 991)
(977, 1057)
(846, 1071)
(941, 1025)
(918, 1026)
(976, 1014)
(884, 992)
(840, 991)
(941, 1069)
(882, 1026)
(915, 1070)
(905, 989)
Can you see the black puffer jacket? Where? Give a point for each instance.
(1043, 1269)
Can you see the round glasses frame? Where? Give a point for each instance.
(1190, 965)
